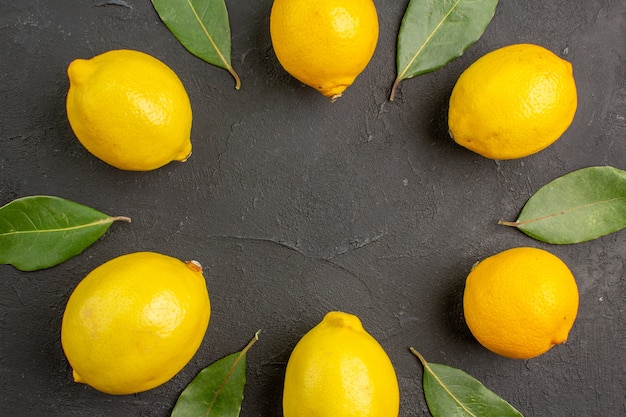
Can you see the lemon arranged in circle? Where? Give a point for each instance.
(325, 44)
(338, 369)
(135, 321)
(513, 102)
(520, 302)
(129, 109)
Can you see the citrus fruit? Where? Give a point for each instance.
(512, 102)
(325, 44)
(129, 109)
(338, 369)
(520, 302)
(135, 321)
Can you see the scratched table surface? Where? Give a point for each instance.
(297, 206)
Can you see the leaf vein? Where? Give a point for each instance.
(208, 35)
(59, 230)
(566, 211)
(27, 217)
(445, 388)
(231, 370)
(428, 39)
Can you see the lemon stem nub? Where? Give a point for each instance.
(194, 266)
(79, 71)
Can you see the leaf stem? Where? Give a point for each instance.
(121, 218)
(507, 223)
(235, 76)
(251, 342)
(418, 355)
(394, 88)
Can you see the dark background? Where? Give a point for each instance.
(296, 206)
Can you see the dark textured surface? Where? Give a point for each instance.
(296, 206)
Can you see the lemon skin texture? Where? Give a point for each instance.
(337, 369)
(129, 109)
(325, 44)
(513, 102)
(520, 302)
(134, 322)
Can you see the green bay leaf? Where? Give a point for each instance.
(217, 390)
(38, 232)
(451, 392)
(576, 207)
(202, 27)
(434, 32)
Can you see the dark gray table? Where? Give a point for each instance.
(296, 206)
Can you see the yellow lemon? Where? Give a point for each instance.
(135, 321)
(325, 44)
(520, 302)
(129, 109)
(338, 369)
(513, 102)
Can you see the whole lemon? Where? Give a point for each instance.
(325, 44)
(520, 302)
(135, 321)
(129, 109)
(338, 369)
(513, 102)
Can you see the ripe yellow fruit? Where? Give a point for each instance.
(513, 102)
(520, 302)
(338, 369)
(129, 109)
(135, 321)
(325, 44)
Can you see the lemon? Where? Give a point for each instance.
(520, 302)
(129, 109)
(325, 44)
(135, 321)
(338, 369)
(513, 102)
